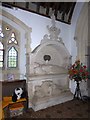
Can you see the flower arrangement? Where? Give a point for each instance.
(78, 71)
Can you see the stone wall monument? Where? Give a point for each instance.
(48, 83)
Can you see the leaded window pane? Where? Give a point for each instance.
(13, 39)
(1, 64)
(1, 33)
(1, 55)
(12, 57)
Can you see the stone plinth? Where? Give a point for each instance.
(48, 90)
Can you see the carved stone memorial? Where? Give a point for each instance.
(48, 83)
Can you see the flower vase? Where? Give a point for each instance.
(77, 91)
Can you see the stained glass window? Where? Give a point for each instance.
(1, 55)
(1, 33)
(13, 39)
(8, 49)
(12, 57)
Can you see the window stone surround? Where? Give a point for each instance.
(18, 26)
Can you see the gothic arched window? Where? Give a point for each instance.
(12, 58)
(1, 33)
(9, 46)
(1, 55)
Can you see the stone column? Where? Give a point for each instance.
(88, 48)
(28, 50)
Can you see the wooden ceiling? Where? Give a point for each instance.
(63, 10)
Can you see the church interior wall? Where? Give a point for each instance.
(38, 24)
(74, 20)
(80, 38)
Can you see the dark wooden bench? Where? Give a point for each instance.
(8, 88)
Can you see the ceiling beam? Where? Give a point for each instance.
(27, 5)
(47, 8)
(64, 8)
(72, 9)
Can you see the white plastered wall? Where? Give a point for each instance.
(38, 24)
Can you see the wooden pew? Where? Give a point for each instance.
(8, 88)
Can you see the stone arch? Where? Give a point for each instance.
(81, 33)
(81, 38)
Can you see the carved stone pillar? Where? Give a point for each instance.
(88, 48)
(28, 49)
(81, 33)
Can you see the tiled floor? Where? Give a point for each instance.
(70, 109)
